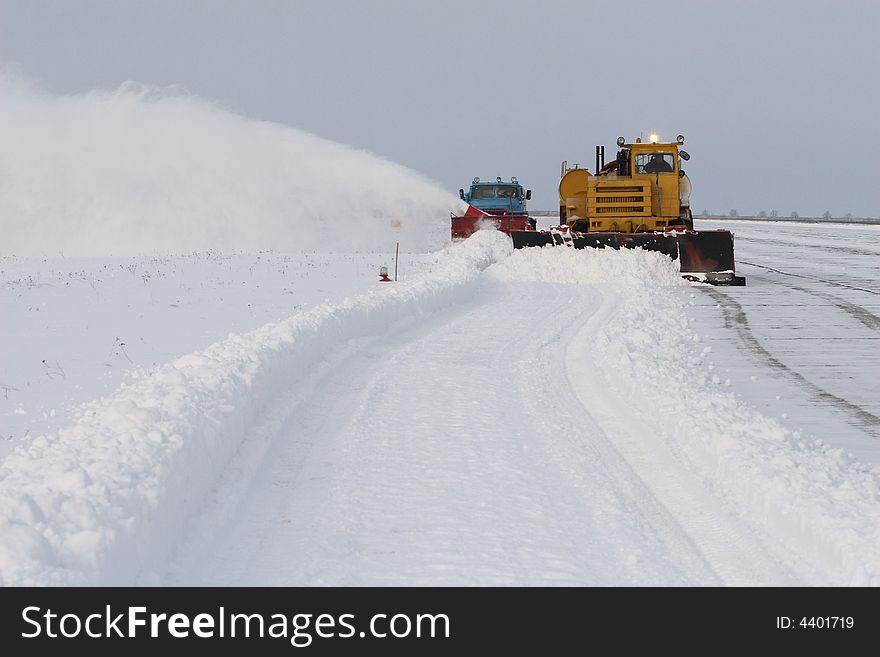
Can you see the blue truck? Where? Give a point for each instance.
(503, 204)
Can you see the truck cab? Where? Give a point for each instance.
(499, 204)
(498, 197)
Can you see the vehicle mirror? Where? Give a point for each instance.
(684, 155)
(461, 194)
(528, 194)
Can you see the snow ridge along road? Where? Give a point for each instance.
(561, 427)
(547, 419)
(105, 500)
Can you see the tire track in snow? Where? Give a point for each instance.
(820, 247)
(736, 318)
(544, 391)
(636, 496)
(810, 278)
(862, 315)
(735, 549)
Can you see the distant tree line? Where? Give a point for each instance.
(774, 214)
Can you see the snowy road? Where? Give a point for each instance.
(486, 446)
(546, 416)
(457, 452)
(809, 323)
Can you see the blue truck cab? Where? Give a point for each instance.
(497, 197)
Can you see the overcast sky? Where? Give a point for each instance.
(779, 100)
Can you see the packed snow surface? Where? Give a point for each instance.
(142, 170)
(542, 416)
(800, 341)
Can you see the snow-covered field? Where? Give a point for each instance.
(535, 417)
(74, 328)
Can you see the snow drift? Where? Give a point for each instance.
(640, 369)
(145, 170)
(103, 500)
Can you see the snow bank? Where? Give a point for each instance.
(604, 268)
(104, 500)
(145, 170)
(814, 500)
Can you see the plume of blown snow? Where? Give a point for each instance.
(143, 170)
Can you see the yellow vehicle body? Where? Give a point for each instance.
(639, 200)
(643, 190)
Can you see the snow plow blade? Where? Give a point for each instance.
(465, 226)
(705, 256)
(474, 219)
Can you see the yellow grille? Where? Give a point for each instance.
(617, 209)
(620, 199)
(628, 187)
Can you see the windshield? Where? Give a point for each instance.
(655, 163)
(496, 191)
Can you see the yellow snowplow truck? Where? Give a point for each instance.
(640, 199)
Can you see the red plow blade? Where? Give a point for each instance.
(473, 220)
